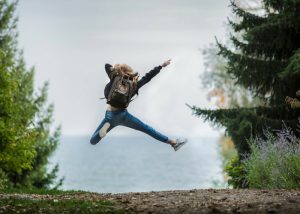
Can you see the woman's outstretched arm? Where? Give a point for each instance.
(148, 76)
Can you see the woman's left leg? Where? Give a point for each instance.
(134, 123)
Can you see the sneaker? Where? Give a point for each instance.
(179, 144)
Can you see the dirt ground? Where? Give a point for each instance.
(192, 201)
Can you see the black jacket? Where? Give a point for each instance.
(145, 79)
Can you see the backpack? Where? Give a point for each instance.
(122, 89)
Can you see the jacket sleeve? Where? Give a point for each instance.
(148, 76)
(108, 69)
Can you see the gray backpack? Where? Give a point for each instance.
(122, 89)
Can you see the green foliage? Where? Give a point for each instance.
(264, 60)
(274, 162)
(25, 118)
(237, 172)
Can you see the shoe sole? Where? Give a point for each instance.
(104, 129)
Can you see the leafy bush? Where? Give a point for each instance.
(274, 161)
(235, 169)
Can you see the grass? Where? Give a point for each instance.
(56, 203)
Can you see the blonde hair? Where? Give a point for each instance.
(124, 69)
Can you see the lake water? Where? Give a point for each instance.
(137, 164)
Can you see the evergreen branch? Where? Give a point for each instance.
(256, 50)
(277, 113)
(251, 72)
(282, 7)
(293, 68)
(249, 20)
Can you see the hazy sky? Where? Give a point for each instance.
(69, 41)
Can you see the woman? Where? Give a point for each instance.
(115, 116)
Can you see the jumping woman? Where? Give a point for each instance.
(124, 84)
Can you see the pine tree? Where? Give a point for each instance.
(25, 139)
(265, 61)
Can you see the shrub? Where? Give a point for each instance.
(235, 169)
(274, 161)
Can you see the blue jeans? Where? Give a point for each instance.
(124, 118)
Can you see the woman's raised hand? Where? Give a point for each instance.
(166, 63)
